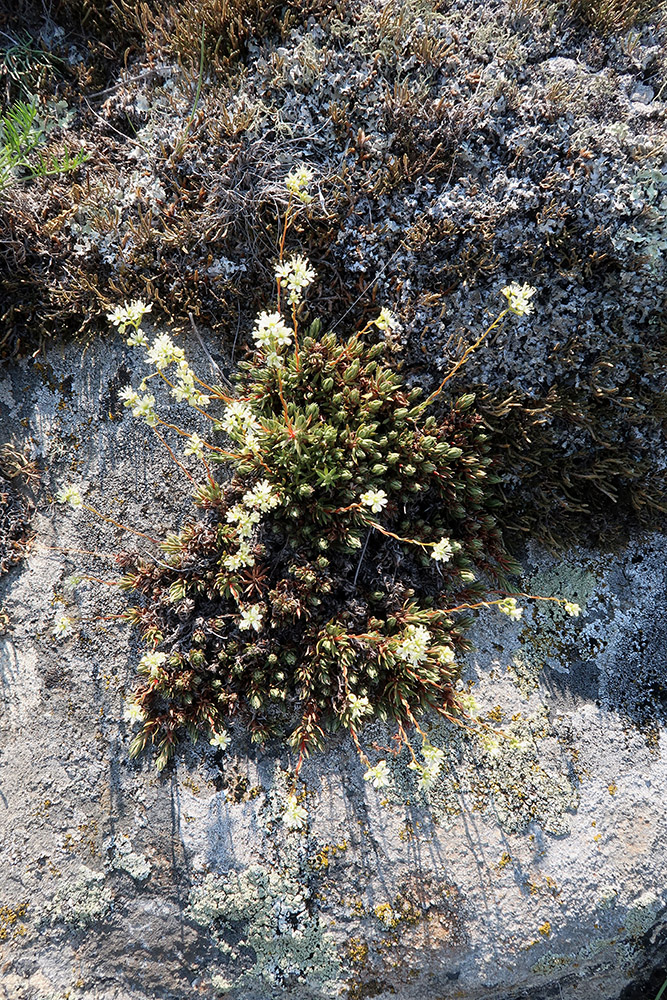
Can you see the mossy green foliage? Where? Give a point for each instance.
(606, 482)
(227, 28)
(607, 17)
(339, 587)
(113, 30)
(26, 68)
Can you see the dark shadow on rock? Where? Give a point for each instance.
(652, 975)
(627, 674)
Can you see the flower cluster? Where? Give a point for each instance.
(164, 352)
(414, 645)
(261, 497)
(518, 298)
(220, 739)
(134, 712)
(375, 499)
(358, 708)
(443, 550)
(428, 772)
(245, 517)
(142, 407)
(151, 663)
(297, 182)
(251, 618)
(63, 627)
(70, 495)
(508, 606)
(295, 816)
(245, 520)
(295, 276)
(386, 321)
(446, 656)
(467, 703)
(184, 389)
(270, 333)
(240, 423)
(130, 315)
(379, 775)
(195, 446)
(161, 354)
(242, 557)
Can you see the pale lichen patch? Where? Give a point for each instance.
(79, 901)
(512, 775)
(621, 948)
(549, 635)
(121, 857)
(641, 915)
(525, 673)
(264, 924)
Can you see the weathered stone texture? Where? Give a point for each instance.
(536, 869)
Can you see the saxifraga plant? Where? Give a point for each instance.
(330, 580)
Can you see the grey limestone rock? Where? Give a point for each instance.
(534, 869)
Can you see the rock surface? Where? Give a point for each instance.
(451, 154)
(535, 869)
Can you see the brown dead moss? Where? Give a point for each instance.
(600, 487)
(616, 16)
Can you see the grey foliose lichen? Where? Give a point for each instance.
(121, 857)
(79, 901)
(266, 930)
(646, 233)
